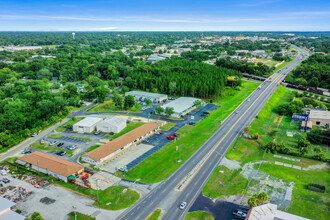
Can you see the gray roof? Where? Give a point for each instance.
(89, 121)
(181, 104)
(319, 114)
(6, 204)
(146, 94)
(114, 120)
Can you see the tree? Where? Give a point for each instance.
(159, 110)
(252, 202)
(258, 199)
(35, 216)
(100, 93)
(124, 89)
(263, 197)
(303, 143)
(169, 111)
(111, 84)
(148, 101)
(44, 73)
(129, 101)
(246, 130)
(198, 103)
(118, 100)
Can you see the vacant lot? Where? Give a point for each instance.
(198, 215)
(161, 164)
(109, 106)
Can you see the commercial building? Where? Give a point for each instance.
(142, 96)
(269, 211)
(6, 212)
(320, 118)
(87, 125)
(119, 145)
(28, 48)
(50, 165)
(113, 124)
(181, 106)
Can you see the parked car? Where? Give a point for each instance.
(60, 144)
(206, 113)
(5, 180)
(71, 147)
(192, 123)
(170, 137)
(175, 135)
(146, 140)
(34, 134)
(183, 205)
(159, 132)
(61, 153)
(97, 132)
(26, 151)
(239, 214)
(51, 143)
(42, 141)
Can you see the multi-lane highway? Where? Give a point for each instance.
(166, 195)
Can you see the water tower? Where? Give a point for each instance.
(73, 36)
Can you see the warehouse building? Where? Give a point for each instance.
(6, 212)
(320, 118)
(50, 165)
(87, 125)
(181, 106)
(119, 145)
(142, 96)
(113, 124)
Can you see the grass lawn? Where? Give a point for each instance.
(234, 183)
(55, 135)
(72, 108)
(118, 197)
(162, 163)
(92, 148)
(198, 215)
(109, 106)
(130, 126)
(44, 147)
(82, 138)
(282, 65)
(155, 215)
(68, 124)
(80, 216)
(168, 126)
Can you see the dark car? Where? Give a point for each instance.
(206, 113)
(239, 214)
(26, 151)
(5, 180)
(61, 153)
(60, 144)
(97, 132)
(192, 123)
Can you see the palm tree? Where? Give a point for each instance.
(263, 197)
(252, 202)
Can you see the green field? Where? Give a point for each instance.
(68, 124)
(55, 135)
(92, 148)
(155, 215)
(168, 126)
(115, 198)
(109, 106)
(81, 138)
(198, 215)
(79, 216)
(164, 162)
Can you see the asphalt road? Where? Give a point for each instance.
(164, 196)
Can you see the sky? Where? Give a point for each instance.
(164, 15)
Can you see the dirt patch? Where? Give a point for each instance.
(230, 164)
(317, 166)
(47, 200)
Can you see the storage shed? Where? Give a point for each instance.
(87, 125)
(113, 124)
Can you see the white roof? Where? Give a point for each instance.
(6, 204)
(181, 104)
(319, 114)
(145, 94)
(89, 121)
(115, 120)
(12, 216)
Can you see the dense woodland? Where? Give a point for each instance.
(315, 71)
(258, 69)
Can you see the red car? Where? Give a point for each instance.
(175, 135)
(170, 137)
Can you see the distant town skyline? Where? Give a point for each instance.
(170, 15)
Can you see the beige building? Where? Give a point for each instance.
(50, 165)
(119, 145)
(320, 118)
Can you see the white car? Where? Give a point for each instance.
(183, 205)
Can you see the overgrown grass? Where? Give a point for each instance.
(44, 147)
(116, 198)
(80, 216)
(92, 148)
(81, 138)
(168, 126)
(55, 135)
(155, 215)
(130, 126)
(109, 106)
(164, 162)
(198, 215)
(68, 124)
(234, 183)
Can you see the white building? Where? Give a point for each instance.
(6, 212)
(50, 165)
(181, 106)
(113, 124)
(142, 96)
(87, 125)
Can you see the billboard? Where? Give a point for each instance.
(299, 117)
(232, 78)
